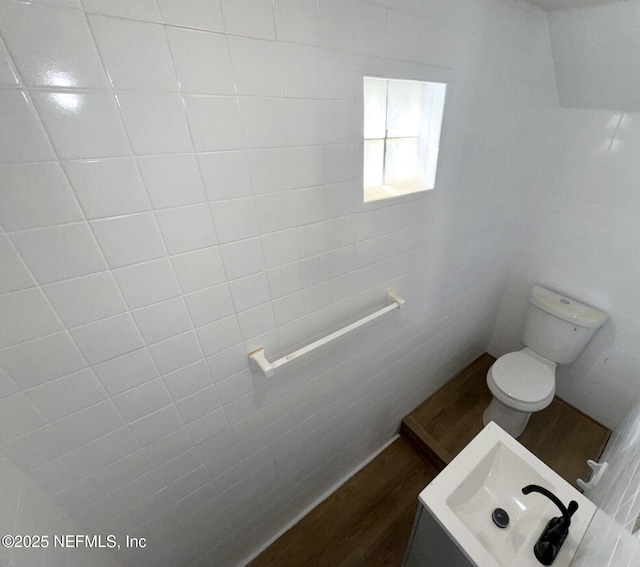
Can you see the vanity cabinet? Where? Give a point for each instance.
(430, 546)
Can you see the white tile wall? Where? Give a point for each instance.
(611, 540)
(581, 238)
(594, 52)
(27, 509)
(185, 188)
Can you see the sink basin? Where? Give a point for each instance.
(490, 473)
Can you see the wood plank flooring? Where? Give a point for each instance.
(366, 522)
(560, 435)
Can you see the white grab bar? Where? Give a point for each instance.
(259, 360)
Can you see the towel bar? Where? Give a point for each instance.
(259, 360)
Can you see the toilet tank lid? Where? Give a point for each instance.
(567, 308)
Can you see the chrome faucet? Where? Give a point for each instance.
(555, 532)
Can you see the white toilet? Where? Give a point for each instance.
(556, 331)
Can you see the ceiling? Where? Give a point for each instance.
(568, 4)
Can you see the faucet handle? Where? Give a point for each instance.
(572, 507)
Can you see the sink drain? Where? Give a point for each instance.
(500, 518)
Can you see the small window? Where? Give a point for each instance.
(402, 123)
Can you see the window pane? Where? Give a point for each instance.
(402, 160)
(373, 162)
(375, 108)
(404, 108)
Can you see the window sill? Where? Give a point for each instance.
(390, 191)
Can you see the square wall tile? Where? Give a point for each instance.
(199, 14)
(82, 124)
(255, 64)
(199, 269)
(59, 473)
(8, 385)
(157, 425)
(225, 174)
(243, 258)
(38, 361)
(296, 21)
(208, 426)
(8, 74)
(200, 404)
(66, 395)
(129, 239)
(18, 415)
(79, 495)
(156, 123)
(126, 371)
(256, 321)
(188, 380)
(25, 315)
(212, 74)
(210, 304)
(186, 228)
(172, 180)
(219, 336)
(177, 467)
(338, 122)
(215, 123)
(142, 400)
(303, 122)
(336, 24)
(147, 283)
(122, 472)
(280, 248)
(51, 46)
(146, 10)
(235, 219)
(15, 275)
(35, 448)
(169, 447)
(299, 71)
(83, 300)
(176, 352)
(89, 424)
(22, 137)
(148, 67)
(59, 252)
(108, 338)
(250, 291)
(252, 18)
(162, 320)
(107, 187)
(262, 121)
(35, 195)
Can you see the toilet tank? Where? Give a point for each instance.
(558, 327)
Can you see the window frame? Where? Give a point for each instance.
(372, 194)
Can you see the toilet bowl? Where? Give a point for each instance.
(556, 331)
(521, 383)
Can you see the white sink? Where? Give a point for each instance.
(490, 473)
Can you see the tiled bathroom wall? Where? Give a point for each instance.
(582, 233)
(614, 536)
(582, 239)
(181, 184)
(595, 51)
(25, 509)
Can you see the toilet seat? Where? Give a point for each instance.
(523, 380)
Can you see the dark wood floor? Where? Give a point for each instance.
(368, 520)
(560, 435)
